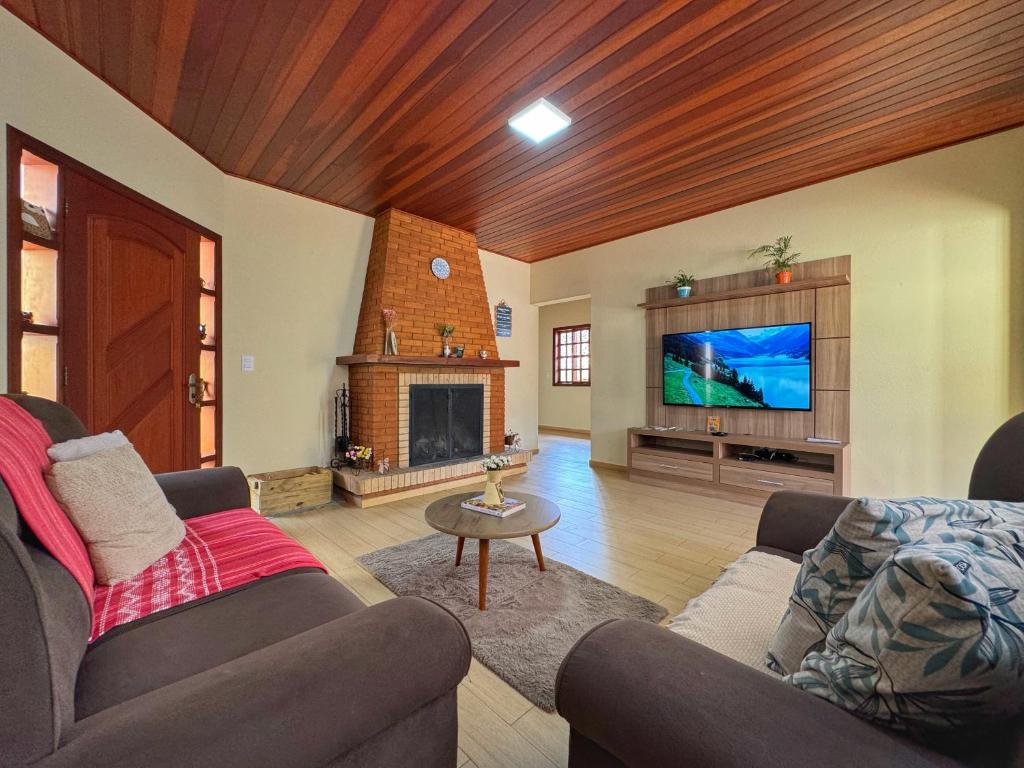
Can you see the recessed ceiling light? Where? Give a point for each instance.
(540, 120)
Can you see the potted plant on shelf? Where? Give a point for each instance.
(683, 283)
(779, 260)
(446, 330)
(494, 466)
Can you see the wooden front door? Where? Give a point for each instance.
(132, 338)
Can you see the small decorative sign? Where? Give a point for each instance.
(503, 319)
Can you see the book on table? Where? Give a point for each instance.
(508, 507)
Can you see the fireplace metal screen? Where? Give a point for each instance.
(446, 421)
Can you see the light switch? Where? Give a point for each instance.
(248, 363)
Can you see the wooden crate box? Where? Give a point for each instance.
(290, 489)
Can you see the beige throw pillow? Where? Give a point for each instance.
(120, 512)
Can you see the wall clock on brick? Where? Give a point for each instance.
(440, 268)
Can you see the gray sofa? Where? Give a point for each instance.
(291, 670)
(636, 694)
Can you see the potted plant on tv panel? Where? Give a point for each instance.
(778, 258)
(683, 283)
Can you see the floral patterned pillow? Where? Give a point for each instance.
(935, 640)
(868, 531)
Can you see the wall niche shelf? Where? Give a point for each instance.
(743, 293)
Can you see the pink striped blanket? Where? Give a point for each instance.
(23, 460)
(220, 551)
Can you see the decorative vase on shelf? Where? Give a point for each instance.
(492, 490)
(446, 351)
(683, 291)
(783, 277)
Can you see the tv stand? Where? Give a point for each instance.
(698, 461)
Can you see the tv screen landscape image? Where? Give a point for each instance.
(764, 367)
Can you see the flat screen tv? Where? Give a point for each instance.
(764, 367)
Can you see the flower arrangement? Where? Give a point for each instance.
(496, 463)
(359, 456)
(445, 329)
(390, 340)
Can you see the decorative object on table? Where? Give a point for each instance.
(483, 354)
(778, 259)
(440, 268)
(508, 506)
(341, 438)
(713, 424)
(539, 618)
(502, 319)
(271, 493)
(683, 283)
(202, 331)
(390, 340)
(384, 466)
(460, 350)
(35, 221)
(494, 466)
(359, 457)
(446, 330)
(512, 441)
(27, 317)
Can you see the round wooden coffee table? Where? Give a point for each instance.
(447, 516)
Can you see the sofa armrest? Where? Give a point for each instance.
(795, 522)
(197, 492)
(650, 698)
(301, 702)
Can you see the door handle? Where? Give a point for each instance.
(769, 482)
(197, 388)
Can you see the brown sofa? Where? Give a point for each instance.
(636, 694)
(291, 670)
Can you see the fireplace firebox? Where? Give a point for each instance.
(446, 421)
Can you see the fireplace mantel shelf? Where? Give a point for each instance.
(453, 362)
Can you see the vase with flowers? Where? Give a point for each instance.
(494, 466)
(390, 340)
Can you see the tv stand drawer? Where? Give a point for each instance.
(762, 480)
(660, 464)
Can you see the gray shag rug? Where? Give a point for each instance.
(533, 617)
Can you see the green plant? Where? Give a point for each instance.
(778, 256)
(445, 329)
(682, 279)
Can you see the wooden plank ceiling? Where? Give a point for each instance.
(679, 108)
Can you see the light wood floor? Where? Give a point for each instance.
(665, 545)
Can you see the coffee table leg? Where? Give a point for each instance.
(458, 550)
(536, 549)
(485, 550)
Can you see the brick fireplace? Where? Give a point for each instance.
(398, 276)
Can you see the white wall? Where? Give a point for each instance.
(564, 407)
(293, 268)
(293, 276)
(937, 243)
(510, 280)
